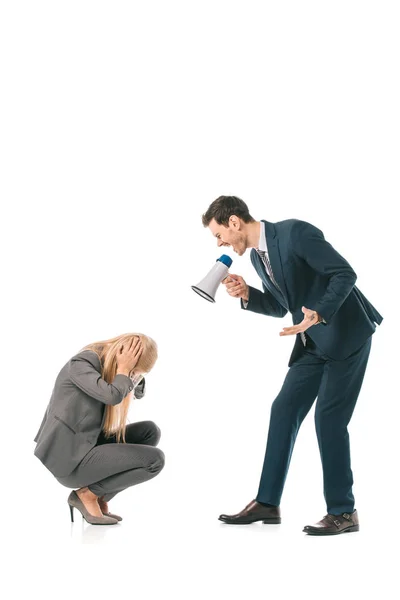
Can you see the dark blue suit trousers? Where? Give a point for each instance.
(337, 384)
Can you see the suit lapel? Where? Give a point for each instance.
(275, 258)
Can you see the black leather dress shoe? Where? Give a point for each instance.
(254, 512)
(334, 524)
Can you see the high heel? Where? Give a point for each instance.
(75, 502)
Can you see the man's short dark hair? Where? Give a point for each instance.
(224, 207)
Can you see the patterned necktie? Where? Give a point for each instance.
(267, 265)
(265, 258)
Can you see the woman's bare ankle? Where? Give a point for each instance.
(90, 501)
(85, 493)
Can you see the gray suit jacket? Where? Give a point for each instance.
(75, 414)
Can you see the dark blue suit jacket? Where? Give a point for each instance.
(311, 273)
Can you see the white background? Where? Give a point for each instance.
(121, 122)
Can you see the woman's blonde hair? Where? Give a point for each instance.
(116, 416)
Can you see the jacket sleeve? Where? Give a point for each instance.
(263, 303)
(309, 244)
(140, 389)
(83, 374)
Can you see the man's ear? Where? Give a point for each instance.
(234, 221)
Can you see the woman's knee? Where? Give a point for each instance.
(157, 461)
(143, 432)
(154, 433)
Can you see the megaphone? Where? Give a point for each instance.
(208, 286)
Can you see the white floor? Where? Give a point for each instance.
(174, 547)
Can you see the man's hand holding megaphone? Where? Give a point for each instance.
(236, 287)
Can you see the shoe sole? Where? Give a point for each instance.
(264, 521)
(100, 524)
(347, 530)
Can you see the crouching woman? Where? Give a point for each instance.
(84, 439)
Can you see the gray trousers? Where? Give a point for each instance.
(111, 467)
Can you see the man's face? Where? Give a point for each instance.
(232, 235)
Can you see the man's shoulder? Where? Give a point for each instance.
(285, 224)
(294, 227)
(290, 223)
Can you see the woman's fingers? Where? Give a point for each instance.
(138, 351)
(133, 344)
(131, 348)
(128, 353)
(127, 346)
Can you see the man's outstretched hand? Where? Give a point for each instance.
(311, 317)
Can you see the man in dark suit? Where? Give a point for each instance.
(303, 274)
